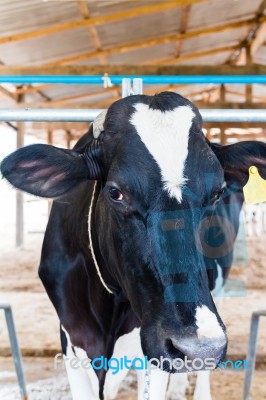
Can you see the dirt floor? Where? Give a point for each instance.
(37, 326)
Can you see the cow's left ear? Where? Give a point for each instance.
(48, 171)
(237, 158)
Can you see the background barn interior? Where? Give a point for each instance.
(83, 37)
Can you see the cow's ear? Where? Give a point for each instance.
(237, 158)
(48, 171)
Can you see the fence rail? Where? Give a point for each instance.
(83, 115)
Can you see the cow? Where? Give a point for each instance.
(141, 230)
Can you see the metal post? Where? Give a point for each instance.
(19, 195)
(248, 87)
(49, 141)
(126, 87)
(251, 357)
(50, 137)
(68, 138)
(15, 349)
(137, 86)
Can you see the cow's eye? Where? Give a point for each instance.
(115, 194)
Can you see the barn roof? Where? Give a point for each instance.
(58, 33)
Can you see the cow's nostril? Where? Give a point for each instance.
(192, 348)
(173, 350)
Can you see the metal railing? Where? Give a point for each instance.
(88, 115)
(147, 79)
(15, 349)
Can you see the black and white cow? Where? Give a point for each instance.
(144, 217)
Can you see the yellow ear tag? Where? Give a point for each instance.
(255, 188)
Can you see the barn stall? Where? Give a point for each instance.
(213, 53)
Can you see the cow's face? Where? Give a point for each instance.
(158, 185)
(161, 178)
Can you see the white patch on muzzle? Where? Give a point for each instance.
(208, 325)
(166, 134)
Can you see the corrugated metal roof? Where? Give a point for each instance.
(18, 16)
(46, 49)
(218, 12)
(144, 27)
(145, 55)
(105, 7)
(208, 42)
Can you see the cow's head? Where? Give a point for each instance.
(158, 178)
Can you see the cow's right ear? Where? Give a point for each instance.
(48, 171)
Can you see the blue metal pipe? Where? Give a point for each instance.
(147, 79)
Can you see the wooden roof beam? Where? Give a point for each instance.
(203, 53)
(235, 92)
(106, 103)
(7, 93)
(258, 40)
(84, 9)
(254, 39)
(102, 19)
(112, 90)
(183, 27)
(31, 88)
(157, 41)
(225, 69)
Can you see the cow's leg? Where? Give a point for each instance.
(158, 384)
(82, 379)
(178, 384)
(202, 389)
(127, 345)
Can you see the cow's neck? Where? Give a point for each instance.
(91, 245)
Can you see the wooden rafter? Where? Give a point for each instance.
(7, 93)
(190, 56)
(225, 69)
(106, 103)
(102, 19)
(31, 89)
(258, 40)
(256, 97)
(154, 42)
(112, 90)
(84, 9)
(183, 27)
(241, 136)
(228, 91)
(251, 44)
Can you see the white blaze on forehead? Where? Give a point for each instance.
(166, 134)
(207, 323)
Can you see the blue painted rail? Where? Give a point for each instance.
(147, 79)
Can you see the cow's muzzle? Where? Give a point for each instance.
(185, 352)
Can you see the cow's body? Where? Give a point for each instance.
(92, 317)
(136, 239)
(95, 319)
